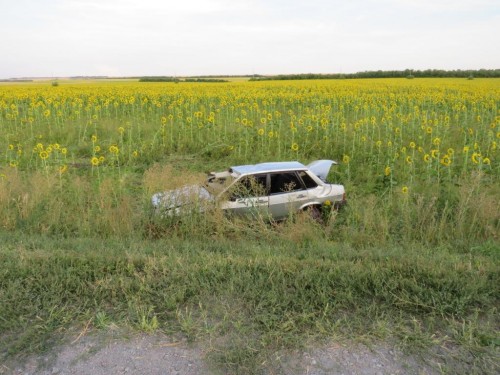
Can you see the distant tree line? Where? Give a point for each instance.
(175, 79)
(16, 80)
(159, 79)
(408, 73)
(205, 80)
(89, 77)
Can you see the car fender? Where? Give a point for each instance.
(309, 204)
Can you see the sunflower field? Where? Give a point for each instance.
(390, 136)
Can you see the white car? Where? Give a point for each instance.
(272, 190)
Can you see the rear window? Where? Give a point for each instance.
(308, 181)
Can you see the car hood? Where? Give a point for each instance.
(321, 168)
(180, 197)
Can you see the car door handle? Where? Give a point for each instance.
(261, 201)
(301, 196)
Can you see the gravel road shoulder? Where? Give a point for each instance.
(105, 353)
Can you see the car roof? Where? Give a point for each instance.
(268, 167)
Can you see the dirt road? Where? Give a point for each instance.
(104, 354)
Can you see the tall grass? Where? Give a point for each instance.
(119, 205)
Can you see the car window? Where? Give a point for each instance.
(249, 186)
(308, 181)
(285, 182)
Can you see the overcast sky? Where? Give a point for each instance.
(58, 38)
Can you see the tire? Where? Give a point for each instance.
(315, 213)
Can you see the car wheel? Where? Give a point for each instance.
(315, 213)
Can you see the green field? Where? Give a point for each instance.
(413, 259)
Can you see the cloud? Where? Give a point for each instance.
(133, 37)
(440, 6)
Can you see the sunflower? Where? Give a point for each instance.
(94, 161)
(446, 160)
(295, 147)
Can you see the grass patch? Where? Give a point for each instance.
(274, 293)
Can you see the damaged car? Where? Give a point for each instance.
(273, 190)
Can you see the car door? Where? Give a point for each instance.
(248, 196)
(287, 194)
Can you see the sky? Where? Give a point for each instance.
(61, 38)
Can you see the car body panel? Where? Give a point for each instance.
(180, 197)
(321, 168)
(253, 206)
(281, 205)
